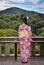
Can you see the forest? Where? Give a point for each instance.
(9, 23)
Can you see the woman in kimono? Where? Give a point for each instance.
(25, 38)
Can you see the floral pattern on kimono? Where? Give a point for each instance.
(25, 39)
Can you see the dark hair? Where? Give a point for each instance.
(25, 20)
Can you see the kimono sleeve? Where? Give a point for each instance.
(30, 33)
(19, 29)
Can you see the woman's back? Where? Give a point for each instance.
(25, 31)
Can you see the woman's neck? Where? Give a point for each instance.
(24, 24)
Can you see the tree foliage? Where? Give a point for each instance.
(9, 24)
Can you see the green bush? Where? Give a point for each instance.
(3, 48)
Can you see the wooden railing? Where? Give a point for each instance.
(14, 40)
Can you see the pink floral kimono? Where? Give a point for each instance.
(25, 38)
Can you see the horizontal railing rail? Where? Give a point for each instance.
(15, 39)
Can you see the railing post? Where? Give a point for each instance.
(33, 49)
(7, 49)
(41, 49)
(0, 49)
(15, 51)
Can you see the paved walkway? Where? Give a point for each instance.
(12, 61)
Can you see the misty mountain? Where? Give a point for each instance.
(14, 10)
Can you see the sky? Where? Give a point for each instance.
(31, 5)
